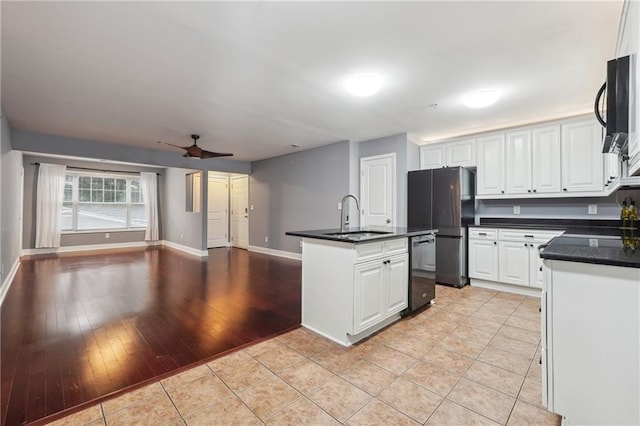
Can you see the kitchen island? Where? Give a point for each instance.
(591, 329)
(354, 282)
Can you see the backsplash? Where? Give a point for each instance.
(576, 208)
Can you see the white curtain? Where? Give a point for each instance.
(150, 197)
(50, 194)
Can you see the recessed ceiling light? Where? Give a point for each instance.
(363, 85)
(482, 98)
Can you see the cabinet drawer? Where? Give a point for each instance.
(397, 246)
(483, 233)
(369, 251)
(528, 235)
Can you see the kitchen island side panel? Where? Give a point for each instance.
(594, 317)
(327, 288)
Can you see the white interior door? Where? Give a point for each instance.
(240, 211)
(377, 190)
(218, 211)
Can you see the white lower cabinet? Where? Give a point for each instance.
(507, 259)
(514, 262)
(380, 290)
(483, 259)
(352, 290)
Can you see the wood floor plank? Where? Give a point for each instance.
(77, 327)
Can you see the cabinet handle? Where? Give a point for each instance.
(535, 190)
(528, 236)
(502, 192)
(530, 245)
(564, 189)
(526, 245)
(541, 269)
(494, 243)
(528, 190)
(482, 233)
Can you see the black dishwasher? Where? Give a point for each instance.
(422, 267)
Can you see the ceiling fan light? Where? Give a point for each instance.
(482, 98)
(363, 85)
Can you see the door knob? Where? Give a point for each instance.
(388, 220)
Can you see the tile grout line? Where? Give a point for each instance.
(172, 402)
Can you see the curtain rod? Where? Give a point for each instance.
(96, 170)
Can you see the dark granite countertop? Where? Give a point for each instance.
(372, 233)
(596, 227)
(623, 250)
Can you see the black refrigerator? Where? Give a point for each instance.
(444, 199)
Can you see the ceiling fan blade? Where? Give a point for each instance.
(210, 154)
(177, 146)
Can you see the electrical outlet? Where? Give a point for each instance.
(182, 236)
(107, 235)
(339, 206)
(266, 239)
(516, 209)
(593, 209)
(251, 207)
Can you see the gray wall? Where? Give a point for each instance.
(89, 238)
(557, 208)
(386, 145)
(179, 226)
(10, 172)
(51, 144)
(295, 192)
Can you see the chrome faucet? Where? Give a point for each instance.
(342, 210)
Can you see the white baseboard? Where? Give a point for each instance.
(186, 249)
(274, 252)
(8, 280)
(509, 288)
(88, 247)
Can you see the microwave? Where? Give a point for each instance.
(617, 103)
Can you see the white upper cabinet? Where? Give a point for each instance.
(518, 162)
(461, 153)
(546, 163)
(490, 157)
(432, 156)
(582, 159)
(448, 154)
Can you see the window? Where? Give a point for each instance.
(100, 201)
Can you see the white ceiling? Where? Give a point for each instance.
(255, 77)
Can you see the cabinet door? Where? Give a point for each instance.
(461, 153)
(397, 292)
(432, 156)
(513, 261)
(582, 160)
(546, 164)
(536, 272)
(369, 294)
(483, 260)
(490, 172)
(518, 162)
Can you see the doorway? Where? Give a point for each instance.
(217, 211)
(240, 211)
(377, 190)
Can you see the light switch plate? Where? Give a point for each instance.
(516, 209)
(593, 209)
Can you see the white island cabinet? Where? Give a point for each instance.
(350, 290)
(591, 342)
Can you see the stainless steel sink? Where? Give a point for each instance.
(358, 234)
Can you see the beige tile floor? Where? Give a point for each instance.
(472, 358)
